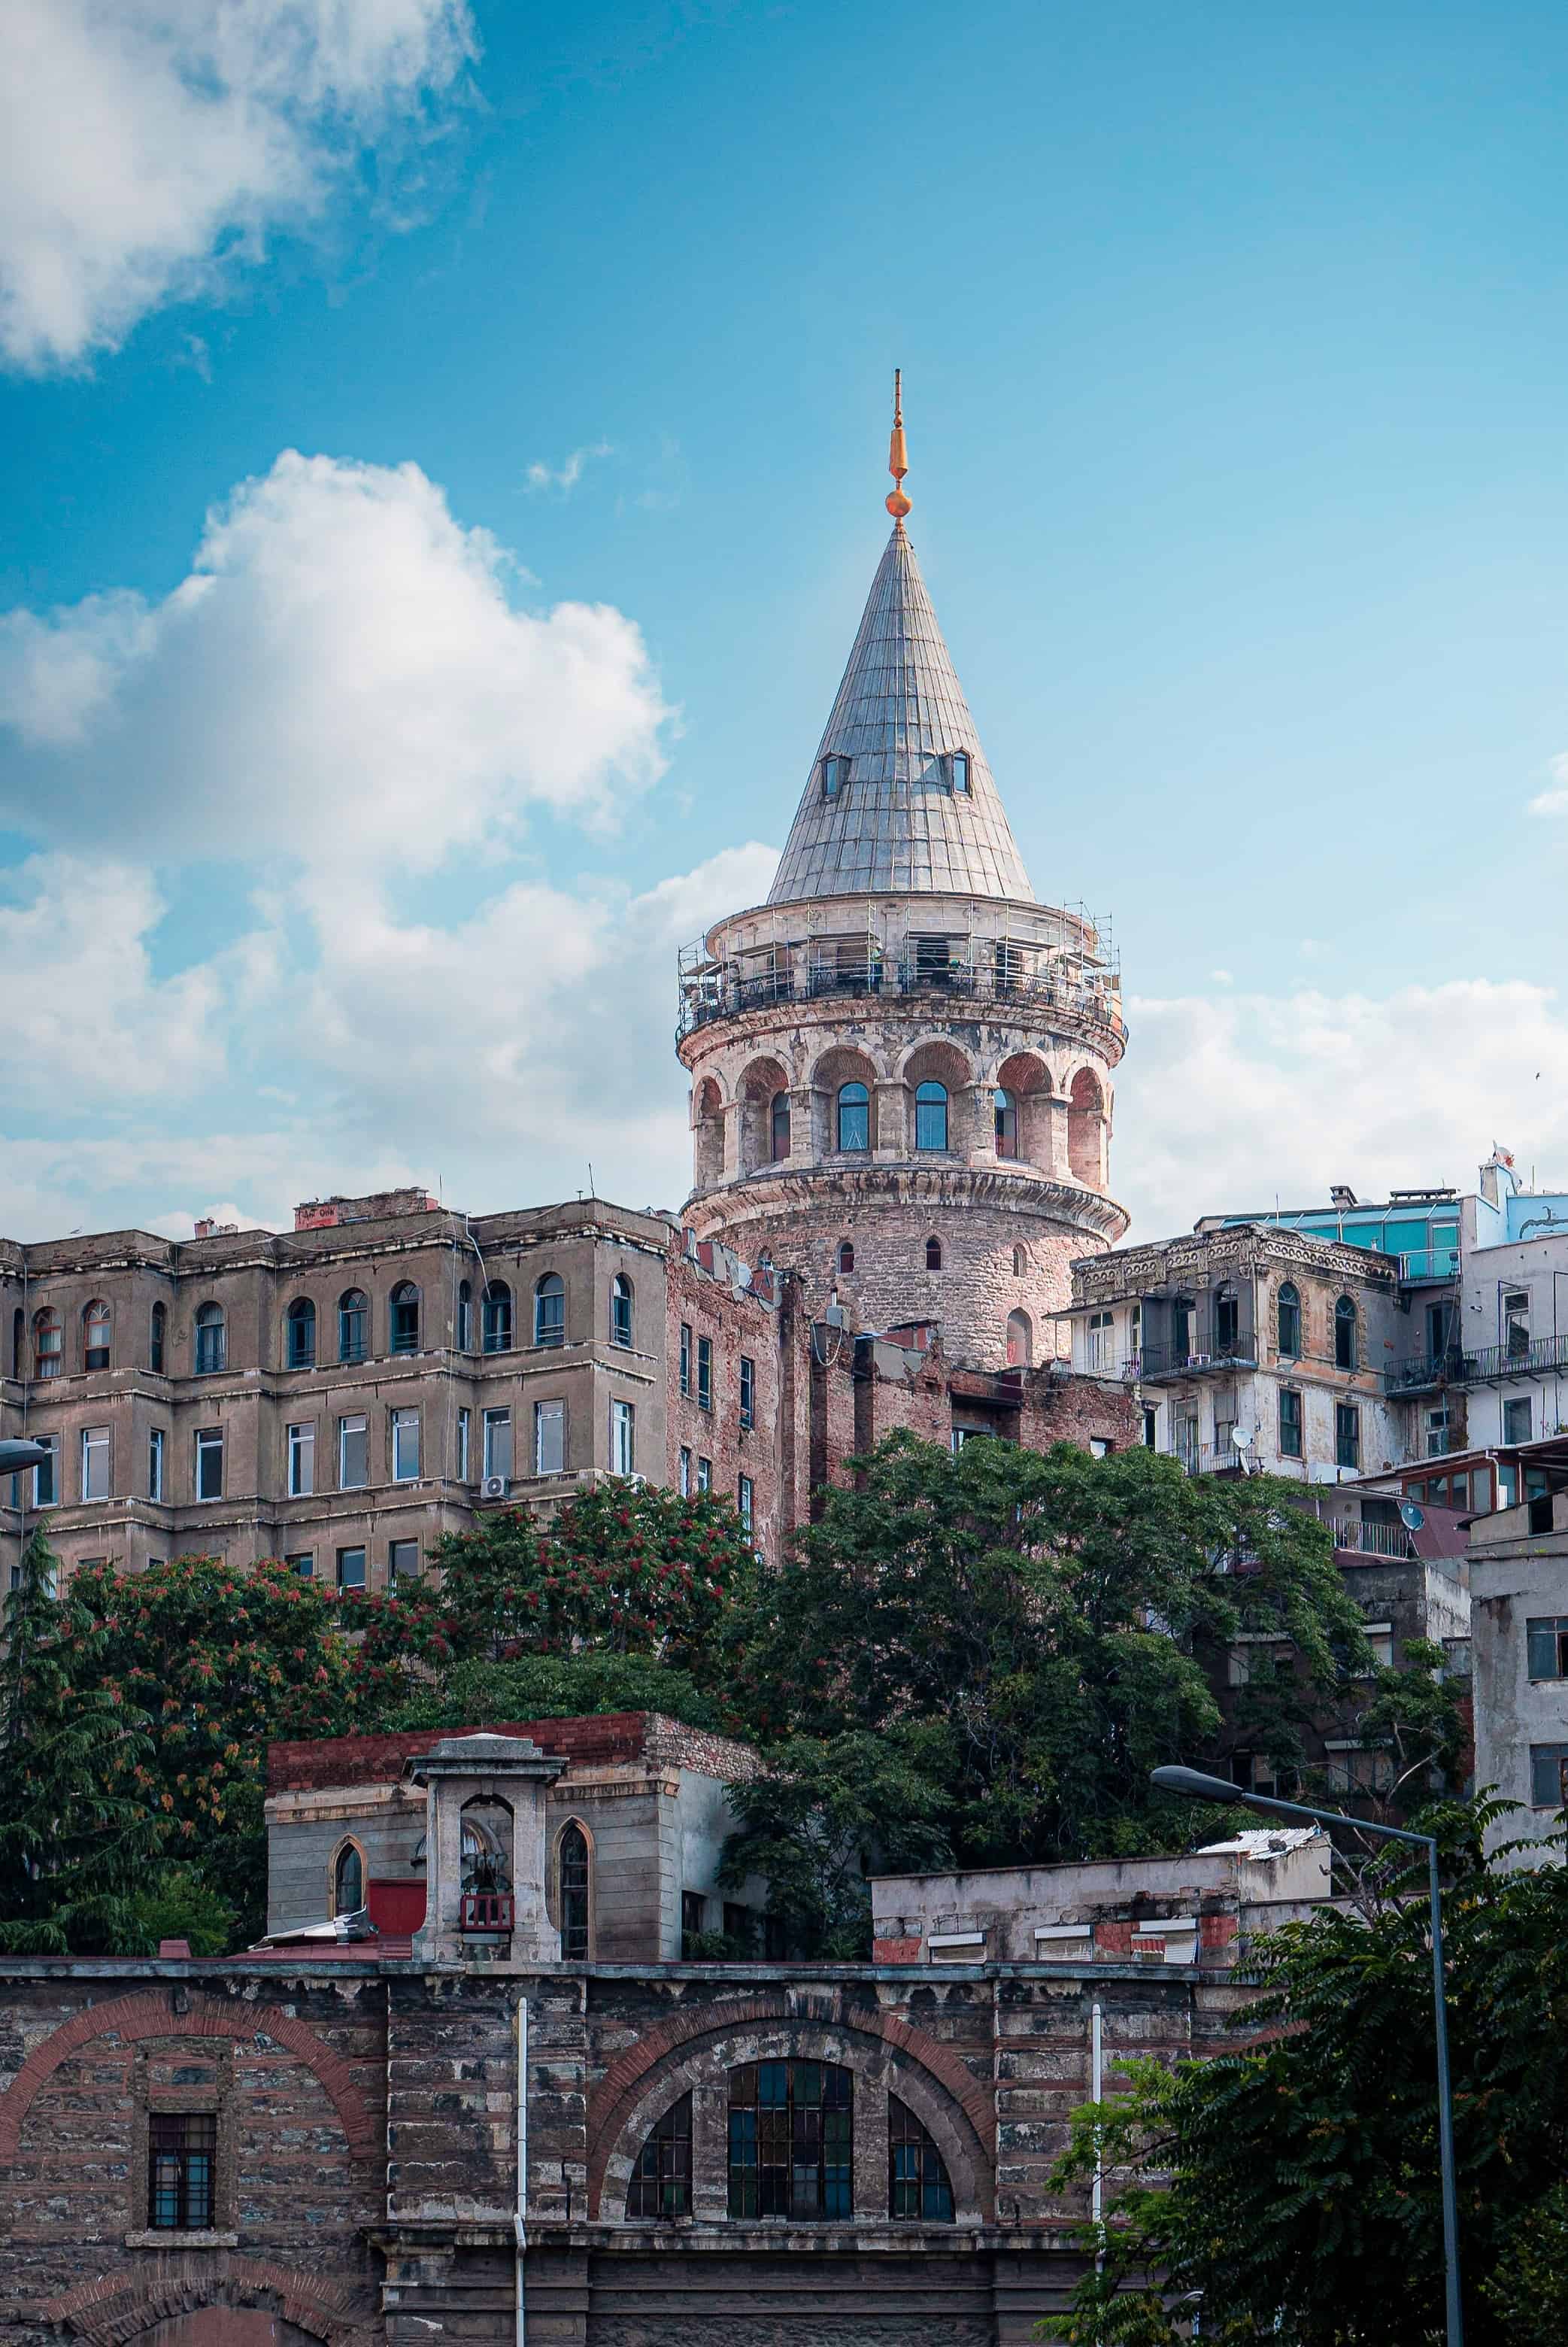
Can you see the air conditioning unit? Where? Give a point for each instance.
(495, 1487)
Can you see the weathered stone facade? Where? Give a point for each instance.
(366, 2120)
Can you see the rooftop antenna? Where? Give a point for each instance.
(591, 1191)
(897, 455)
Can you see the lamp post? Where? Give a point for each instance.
(1197, 1786)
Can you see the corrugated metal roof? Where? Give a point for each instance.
(898, 824)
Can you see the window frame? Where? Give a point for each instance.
(780, 1117)
(398, 1422)
(465, 1440)
(353, 1314)
(622, 1436)
(683, 1472)
(851, 1103)
(300, 1458)
(748, 1392)
(495, 1421)
(1287, 1301)
(95, 1453)
(1512, 1405)
(157, 1464)
(1296, 1422)
(745, 1500)
(661, 2173)
(210, 1328)
(353, 1422)
(47, 1322)
(932, 1108)
(704, 1373)
(830, 2199)
(1347, 1435)
(404, 1307)
(352, 1548)
(193, 2208)
(906, 2132)
(97, 1314)
(157, 1340)
(207, 1445)
(300, 1348)
(580, 1948)
(555, 1406)
(621, 1302)
(1347, 1344)
(833, 772)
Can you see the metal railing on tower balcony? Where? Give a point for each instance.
(713, 993)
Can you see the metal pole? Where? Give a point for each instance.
(1445, 2110)
(520, 2218)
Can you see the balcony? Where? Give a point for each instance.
(1223, 1355)
(486, 1914)
(1497, 1363)
(1212, 1459)
(1371, 1539)
(721, 994)
(1423, 1376)
(1422, 1264)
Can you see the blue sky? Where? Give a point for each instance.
(443, 464)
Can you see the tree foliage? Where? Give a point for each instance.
(1295, 2184)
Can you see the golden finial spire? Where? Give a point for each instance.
(897, 455)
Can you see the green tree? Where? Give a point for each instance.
(1294, 2183)
(1046, 1611)
(554, 1686)
(825, 1815)
(77, 1840)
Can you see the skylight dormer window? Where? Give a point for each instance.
(835, 776)
(959, 768)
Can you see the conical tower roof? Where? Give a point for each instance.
(895, 824)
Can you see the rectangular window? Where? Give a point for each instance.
(1516, 1419)
(1548, 1775)
(303, 1460)
(45, 1486)
(1546, 1645)
(1187, 1446)
(210, 1462)
(181, 2158)
(693, 1919)
(622, 1439)
(1347, 1435)
(748, 1392)
(304, 1562)
(1151, 1430)
(1516, 1322)
(1289, 1422)
(1438, 1440)
(1100, 1349)
(685, 1474)
(743, 1501)
(351, 1568)
(704, 1373)
(704, 1474)
(95, 1463)
(498, 1442)
(157, 1448)
(464, 1432)
(352, 1454)
(685, 1357)
(406, 1446)
(549, 1438)
(402, 1560)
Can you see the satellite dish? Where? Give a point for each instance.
(1243, 1437)
(1411, 1515)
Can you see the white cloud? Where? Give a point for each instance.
(565, 477)
(147, 146)
(1222, 1105)
(341, 679)
(1222, 976)
(1554, 801)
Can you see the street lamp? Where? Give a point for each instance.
(15, 1456)
(1196, 1786)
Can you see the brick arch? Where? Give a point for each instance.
(118, 2307)
(133, 2019)
(620, 2089)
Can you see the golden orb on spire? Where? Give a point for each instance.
(897, 455)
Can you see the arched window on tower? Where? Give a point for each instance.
(496, 1316)
(933, 1254)
(931, 1116)
(1344, 1334)
(847, 1254)
(97, 1336)
(1021, 1342)
(158, 1337)
(854, 1117)
(778, 1127)
(1289, 1321)
(1006, 1124)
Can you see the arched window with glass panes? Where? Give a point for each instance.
(549, 1310)
(660, 2184)
(931, 1116)
(854, 1117)
(495, 1317)
(574, 1886)
(300, 1334)
(791, 2135)
(352, 1325)
(1289, 1309)
(1344, 1334)
(918, 2185)
(403, 1318)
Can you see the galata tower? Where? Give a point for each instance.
(901, 1064)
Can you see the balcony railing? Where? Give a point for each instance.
(1212, 1459)
(1221, 1353)
(1496, 1363)
(1422, 1376)
(1430, 1263)
(721, 994)
(1371, 1539)
(486, 1914)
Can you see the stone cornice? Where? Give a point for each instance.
(772, 1192)
(1245, 1248)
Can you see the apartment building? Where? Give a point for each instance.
(1253, 1344)
(344, 1393)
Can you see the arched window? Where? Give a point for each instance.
(847, 1254)
(300, 1334)
(931, 1116)
(160, 1337)
(352, 1325)
(348, 1881)
(933, 1254)
(465, 1331)
(792, 2132)
(1019, 1262)
(96, 1333)
(854, 1117)
(1227, 1319)
(778, 1127)
(1289, 1321)
(1021, 1342)
(403, 1318)
(917, 2182)
(960, 771)
(1007, 1124)
(1344, 1334)
(495, 1317)
(621, 1309)
(573, 1901)
(211, 1341)
(660, 2182)
(549, 1312)
(49, 1345)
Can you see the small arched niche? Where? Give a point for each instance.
(1086, 1129)
(764, 1082)
(708, 1134)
